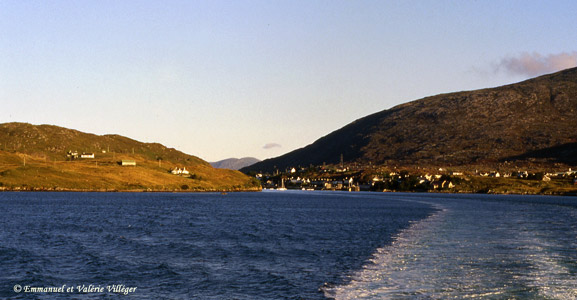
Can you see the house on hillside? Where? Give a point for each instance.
(72, 154)
(87, 155)
(128, 162)
(179, 171)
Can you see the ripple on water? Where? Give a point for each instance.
(469, 249)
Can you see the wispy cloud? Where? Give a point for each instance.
(533, 64)
(271, 145)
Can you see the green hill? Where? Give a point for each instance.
(42, 157)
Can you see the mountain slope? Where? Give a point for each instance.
(235, 163)
(36, 157)
(474, 127)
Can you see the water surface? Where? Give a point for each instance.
(477, 246)
(194, 246)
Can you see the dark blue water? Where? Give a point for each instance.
(268, 245)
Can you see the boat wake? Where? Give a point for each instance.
(466, 250)
(389, 271)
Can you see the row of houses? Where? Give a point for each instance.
(74, 155)
(528, 175)
(562, 174)
(318, 178)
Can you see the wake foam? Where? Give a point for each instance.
(389, 271)
(473, 249)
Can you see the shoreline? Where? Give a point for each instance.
(68, 190)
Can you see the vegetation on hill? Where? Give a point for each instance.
(40, 158)
(531, 122)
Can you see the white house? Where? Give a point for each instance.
(87, 155)
(127, 162)
(179, 171)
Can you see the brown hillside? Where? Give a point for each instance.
(35, 157)
(512, 122)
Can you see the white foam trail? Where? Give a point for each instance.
(381, 276)
(473, 251)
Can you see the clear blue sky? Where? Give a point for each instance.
(220, 79)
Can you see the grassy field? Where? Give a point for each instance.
(20, 171)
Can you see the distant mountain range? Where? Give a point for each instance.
(235, 163)
(534, 120)
(47, 157)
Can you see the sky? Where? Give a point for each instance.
(221, 79)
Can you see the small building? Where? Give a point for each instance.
(179, 171)
(87, 155)
(495, 174)
(128, 162)
(72, 154)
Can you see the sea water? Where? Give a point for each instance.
(286, 245)
(476, 246)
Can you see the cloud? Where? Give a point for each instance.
(271, 145)
(533, 64)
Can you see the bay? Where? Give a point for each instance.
(194, 246)
(288, 245)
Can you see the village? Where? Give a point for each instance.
(417, 179)
(357, 177)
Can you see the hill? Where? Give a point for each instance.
(47, 157)
(235, 163)
(519, 122)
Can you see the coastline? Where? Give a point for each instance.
(248, 190)
(73, 190)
